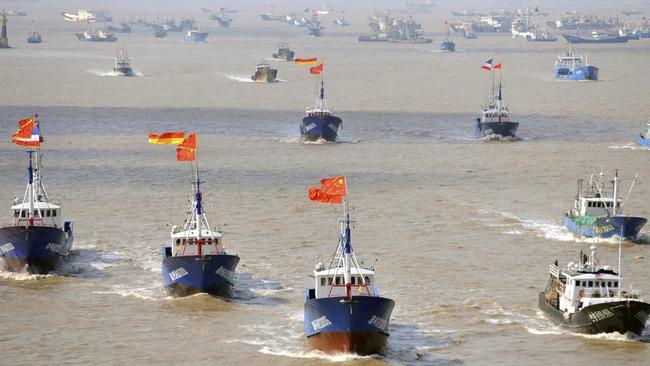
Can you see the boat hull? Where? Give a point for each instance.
(35, 249)
(503, 129)
(124, 71)
(314, 128)
(618, 316)
(198, 37)
(582, 73)
(607, 227)
(265, 75)
(448, 46)
(335, 325)
(578, 40)
(644, 141)
(193, 274)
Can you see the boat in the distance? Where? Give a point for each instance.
(344, 312)
(598, 211)
(37, 237)
(284, 53)
(123, 28)
(88, 16)
(447, 45)
(495, 119)
(159, 31)
(644, 137)
(122, 64)
(264, 73)
(319, 122)
(34, 36)
(96, 36)
(315, 29)
(588, 297)
(194, 35)
(195, 260)
(571, 67)
(596, 38)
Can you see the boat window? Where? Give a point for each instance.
(591, 284)
(353, 279)
(47, 213)
(329, 280)
(338, 280)
(322, 281)
(615, 284)
(16, 213)
(609, 283)
(367, 280)
(53, 213)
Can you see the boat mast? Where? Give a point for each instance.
(30, 188)
(615, 193)
(346, 246)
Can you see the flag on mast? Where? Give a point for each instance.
(167, 138)
(316, 70)
(306, 61)
(332, 190)
(487, 65)
(186, 151)
(28, 133)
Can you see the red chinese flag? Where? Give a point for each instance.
(186, 151)
(332, 190)
(316, 69)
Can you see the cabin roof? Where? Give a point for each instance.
(193, 233)
(353, 270)
(37, 204)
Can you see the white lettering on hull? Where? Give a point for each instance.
(177, 273)
(6, 248)
(599, 315)
(320, 323)
(310, 127)
(225, 273)
(378, 322)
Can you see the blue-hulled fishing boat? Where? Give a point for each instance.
(644, 137)
(320, 123)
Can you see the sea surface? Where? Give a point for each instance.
(460, 231)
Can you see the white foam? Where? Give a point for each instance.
(112, 73)
(247, 79)
(23, 276)
(630, 146)
(124, 291)
(340, 357)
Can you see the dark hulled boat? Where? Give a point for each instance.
(495, 120)
(344, 312)
(37, 237)
(576, 40)
(644, 137)
(284, 53)
(196, 261)
(34, 36)
(588, 298)
(320, 124)
(264, 73)
(598, 212)
(122, 65)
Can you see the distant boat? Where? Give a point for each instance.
(495, 119)
(598, 211)
(196, 36)
(594, 40)
(447, 45)
(284, 53)
(468, 34)
(88, 16)
(644, 137)
(222, 18)
(320, 123)
(264, 73)
(37, 237)
(571, 67)
(34, 36)
(123, 28)
(315, 29)
(96, 36)
(122, 65)
(159, 31)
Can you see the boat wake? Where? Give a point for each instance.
(22, 276)
(499, 138)
(111, 73)
(247, 79)
(140, 293)
(630, 146)
(543, 326)
(514, 225)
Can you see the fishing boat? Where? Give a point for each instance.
(571, 67)
(320, 124)
(88, 16)
(96, 36)
(598, 211)
(195, 260)
(315, 29)
(122, 65)
(495, 119)
(644, 137)
(195, 35)
(284, 53)
(447, 45)
(221, 17)
(542, 35)
(264, 73)
(34, 36)
(159, 31)
(37, 237)
(596, 39)
(341, 22)
(469, 34)
(588, 297)
(344, 312)
(123, 28)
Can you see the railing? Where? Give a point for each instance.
(554, 270)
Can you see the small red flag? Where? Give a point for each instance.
(316, 69)
(497, 66)
(186, 151)
(332, 190)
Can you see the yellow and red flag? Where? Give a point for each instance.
(186, 151)
(167, 138)
(28, 133)
(306, 61)
(316, 69)
(332, 190)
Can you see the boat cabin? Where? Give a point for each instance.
(188, 242)
(332, 282)
(578, 287)
(596, 199)
(44, 214)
